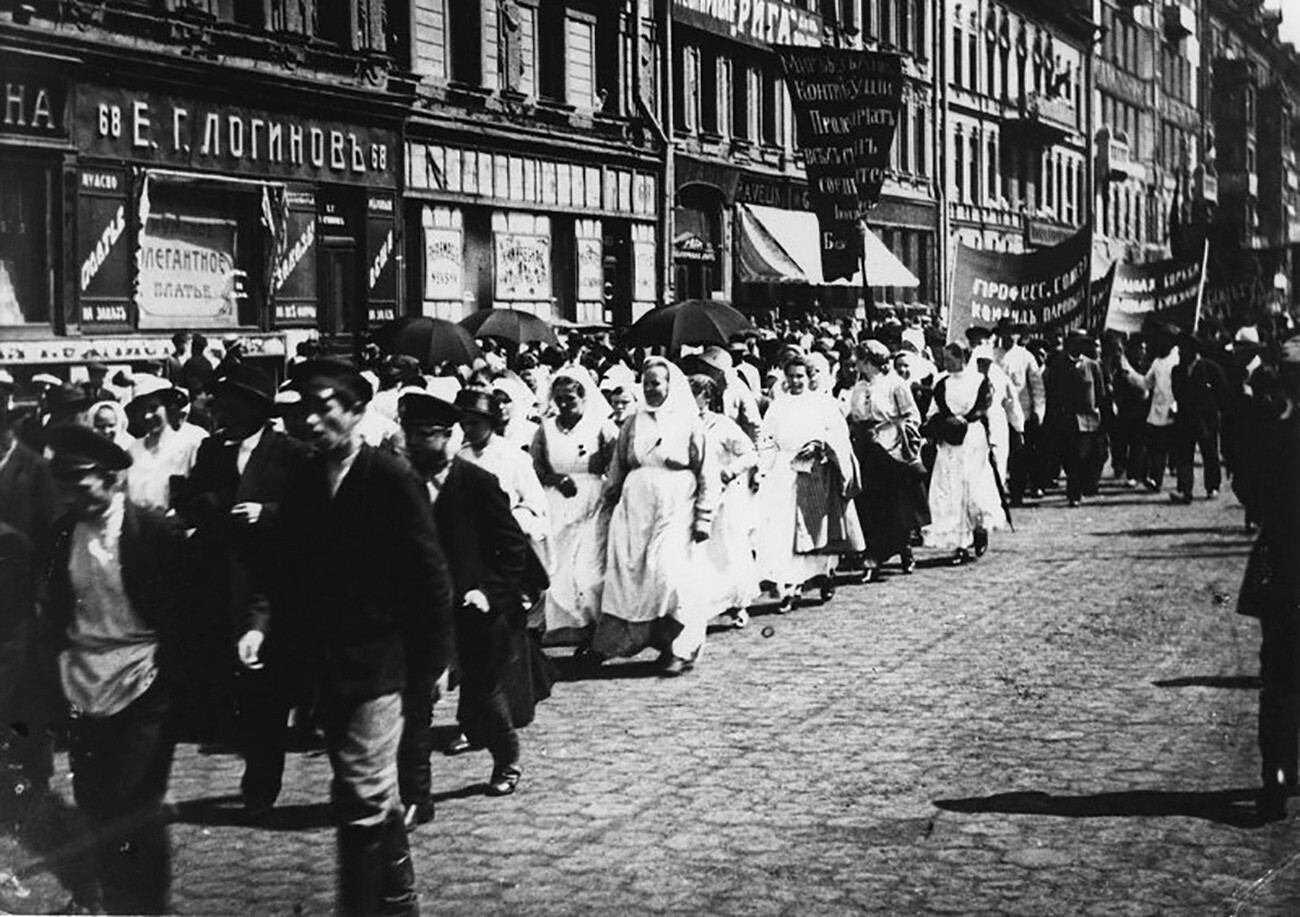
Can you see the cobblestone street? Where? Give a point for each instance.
(1066, 726)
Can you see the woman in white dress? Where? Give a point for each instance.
(730, 572)
(964, 501)
(663, 484)
(807, 514)
(160, 453)
(571, 452)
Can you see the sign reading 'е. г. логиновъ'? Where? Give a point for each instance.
(847, 103)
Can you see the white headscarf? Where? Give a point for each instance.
(679, 399)
(593, 400)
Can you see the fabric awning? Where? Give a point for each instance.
(780, 246)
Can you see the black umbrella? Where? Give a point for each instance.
(692, 321)
(429, 340)
(511, 324)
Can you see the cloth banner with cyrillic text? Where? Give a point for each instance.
(1160, 291)
(187, 273)
(846, 102)
(1043, 289)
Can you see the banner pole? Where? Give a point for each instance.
(868, 306)
(1200, 288)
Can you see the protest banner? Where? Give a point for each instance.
(1160, 291)
(1043, 289)
(846, 102)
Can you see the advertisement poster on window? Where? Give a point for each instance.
(187, 272)
(523, 267)
(443, 272)
(381, 272)
(294, 278)
(644, 261)
(591, 270)
(103, 249)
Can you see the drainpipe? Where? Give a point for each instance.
(662, 131)
(939, 132)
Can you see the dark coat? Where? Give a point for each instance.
(488, 551)
(153, 575)
(1076, 390)
(368, 581)
(1200, 390)
(29, 498)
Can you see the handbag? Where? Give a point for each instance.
(943, 426)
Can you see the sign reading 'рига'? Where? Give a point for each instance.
(847, 104)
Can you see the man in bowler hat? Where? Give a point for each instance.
(232, 498)
(369, 610)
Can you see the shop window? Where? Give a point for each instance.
(24, 245)
(199, 255)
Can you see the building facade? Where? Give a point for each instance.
(217, 166)
(533, 164)
(1015, 132)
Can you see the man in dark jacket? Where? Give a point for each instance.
(1076, 390)
(487, 553)
(113, 583)
(1199, 389)
(28, 506)
(232, 498)
(369, 610)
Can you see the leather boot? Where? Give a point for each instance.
(362, 869)
(400, 896)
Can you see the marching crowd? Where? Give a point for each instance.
(206, 554)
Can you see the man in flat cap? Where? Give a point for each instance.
(232, 498)
(369, 606)
(113, 581)
(29, 504)
(487, 553)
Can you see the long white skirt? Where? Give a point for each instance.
(777, 560)
(729, 577)
(578, 532)
(963, 493)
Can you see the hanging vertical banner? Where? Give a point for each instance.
(847, 103)
(1241, 286)
(1100, 302)
(1163, 291)
(1043, 289)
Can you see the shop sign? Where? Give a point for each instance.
(118, 349)
(187, 272)
(523, 267)
(103, 247)
(768, 194)
(591, 270)
(294, 278)
(381, 270)
(443, 249)
(34, 106)
(187, 133)
(756, 22)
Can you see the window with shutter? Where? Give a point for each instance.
(580, 61)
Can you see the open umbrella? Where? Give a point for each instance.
(429, 340)
(511, 324)
(691, 321)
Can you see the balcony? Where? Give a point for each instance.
(1000, 216)
(1205, 185)
(1041, 119)
(1179, 21)
(1237, 184)
(1114, 159)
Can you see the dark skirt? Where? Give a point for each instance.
(893, 502)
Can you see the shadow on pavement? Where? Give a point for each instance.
(465, 792)
(1225, 807)
(1242, 682)
(228, 811)
(52, 830)
(576, 670)
(1226, 530)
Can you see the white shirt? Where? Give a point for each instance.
(1026, 377)
(337, 473)
(1160, 383)
(148, 479)
(110, 660)
(246, 447)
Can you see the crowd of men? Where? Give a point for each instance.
(327, 535)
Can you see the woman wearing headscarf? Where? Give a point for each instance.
(571, 452)
(729, 573)
(109, 420)
(518, 409)
(807, 516)
(964, 500)
(663, 485)
(885, 426)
